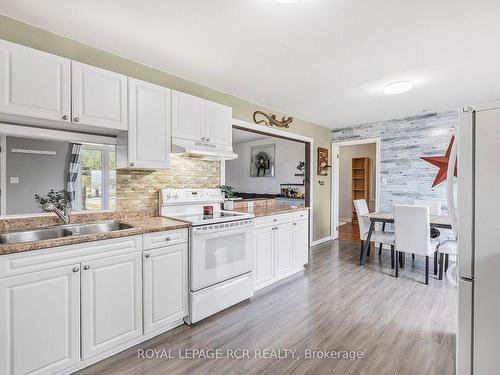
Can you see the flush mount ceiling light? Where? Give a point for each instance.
(399, 87)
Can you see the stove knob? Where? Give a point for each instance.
(169, 196)
(176, 196)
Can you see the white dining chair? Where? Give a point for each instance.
(386, 238)
(445, 249)
(412, 230)
(433, 204)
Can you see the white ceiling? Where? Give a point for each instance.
(326, 61)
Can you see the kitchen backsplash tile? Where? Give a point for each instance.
(137, 189)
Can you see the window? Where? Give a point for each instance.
(97, 178)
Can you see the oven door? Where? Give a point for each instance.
(220, 252)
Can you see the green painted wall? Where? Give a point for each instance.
(22, 33)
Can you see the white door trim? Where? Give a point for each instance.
(335, 146)
(301, 138)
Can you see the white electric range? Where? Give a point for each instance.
(220, 249)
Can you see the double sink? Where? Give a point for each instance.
(61, 231)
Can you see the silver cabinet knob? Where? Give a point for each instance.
(148, 255)
(132, 164)
(76, 269)
(294, 223)
(203, 139)
(76, 119)
(65, 117)
(275, 220)
(86, 267)
(167, 239)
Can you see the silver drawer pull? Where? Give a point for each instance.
(76, 269)
(167, 238)
(148, 255)
(86, 268)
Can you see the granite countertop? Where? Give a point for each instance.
(268, 210)
(140, 225)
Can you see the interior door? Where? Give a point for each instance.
(219, 127)
(300, 242)
(40, 321)
(111, 302)
(165, 286)
(284, 255)
(99, 97)
(188, 116)
(149, 125)
(264, 255)
(34, 83)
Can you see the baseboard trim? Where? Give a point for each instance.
(321, 240)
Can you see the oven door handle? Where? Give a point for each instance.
(236, 227)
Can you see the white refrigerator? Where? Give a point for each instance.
(478, 339)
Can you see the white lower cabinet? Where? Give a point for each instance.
(284, 249)
(65, 308)
(264, 255)
(300, 242)
(165, 286)
(40, 321)
(281, 247)
(111, 302)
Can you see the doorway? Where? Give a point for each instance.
(355, 175)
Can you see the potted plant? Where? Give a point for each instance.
(229, 197)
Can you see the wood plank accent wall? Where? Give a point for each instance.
(403, 175)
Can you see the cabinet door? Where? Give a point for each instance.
(99, 97)
(165, 286)
(34, 83)
(284, 254)
(149, 125)
(301, 242)
(219, 125)
(188, 116)
(264, 255)
(40, 321)
(111, 302)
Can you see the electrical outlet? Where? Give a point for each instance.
(14, 180)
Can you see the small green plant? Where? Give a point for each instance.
(61, 199)
(227, 191)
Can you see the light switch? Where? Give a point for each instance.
(14, 180)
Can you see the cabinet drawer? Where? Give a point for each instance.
(272, 220)
(301, 215)
(160, 239)
(37, 260)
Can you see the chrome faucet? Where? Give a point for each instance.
(63, 214)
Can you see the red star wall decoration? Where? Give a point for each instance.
(442, 163)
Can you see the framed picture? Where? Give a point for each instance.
(322, 161)
(262, 160)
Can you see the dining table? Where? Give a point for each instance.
(436, 221)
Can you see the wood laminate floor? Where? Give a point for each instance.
(349, 232)
(400, 325)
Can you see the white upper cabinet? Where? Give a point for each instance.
(198, 119)
(218, 127)
(188, 116)
(99, 97)
(34, 83)
(148, 139)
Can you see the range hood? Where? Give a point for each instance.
(201, 150)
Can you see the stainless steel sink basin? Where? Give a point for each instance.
(102, 227)
(34, 235)
(61, 231)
